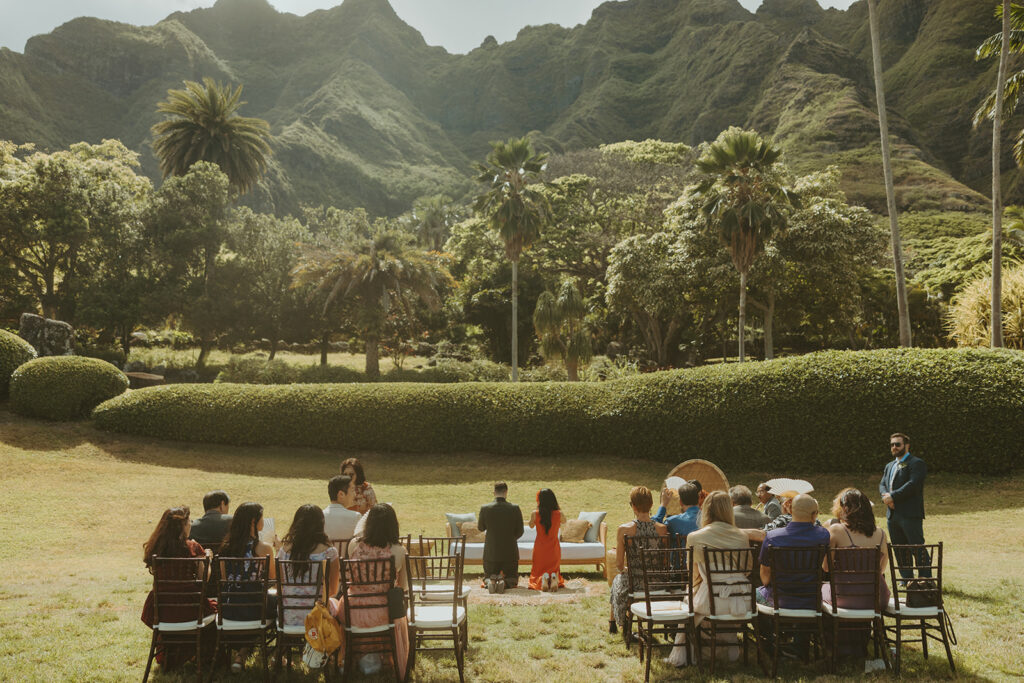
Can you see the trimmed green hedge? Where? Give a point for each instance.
(14, 351)
(64, 387)
(830, 411)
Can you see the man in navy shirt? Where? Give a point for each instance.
(802, 532)
(686, 521)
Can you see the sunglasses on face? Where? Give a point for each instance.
(895, 444)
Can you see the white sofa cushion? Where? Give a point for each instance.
(570, 551)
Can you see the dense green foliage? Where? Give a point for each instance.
(970, 316)
(14, 351)
(64, 387)
(830, 410)
(366, 113)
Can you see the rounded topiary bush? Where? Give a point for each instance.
(14, 351)
(64, 387)
(829, 411)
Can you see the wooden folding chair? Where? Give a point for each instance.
(365, 585)
(441, 613)
(300, 585)
(929, 615)
(243, 618)
(179, 606)
(667, 604)
(796, 578)
(728, 571)
(854, 579)
(633, 579)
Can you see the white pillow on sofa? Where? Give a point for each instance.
(529, 534)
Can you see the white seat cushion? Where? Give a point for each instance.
(669, 610)
(640, 595)
(232, 625)
(179, 626)
(439, 591)
(788, 613)
(474, 551)
(525, 551)
(292, 630)
(905, 611)
(583, 551)
(844, 613)
(370, 629)
(731, 617)
(437, 616)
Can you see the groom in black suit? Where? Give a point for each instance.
(503, 522)
(902, 489)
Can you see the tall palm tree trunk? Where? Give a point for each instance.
(769, 328)
(372, 357)
(743, 315)
(997, 191)
(890, 193)
(515, 321)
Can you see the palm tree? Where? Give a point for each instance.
(432, 220)
(559, 324)
(513, 209)
(203, 126)
(744, 199)
(1013, 86)
(890, 193)
(373, 275)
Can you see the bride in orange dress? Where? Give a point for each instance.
(547, 553)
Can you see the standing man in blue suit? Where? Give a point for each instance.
(902, 489)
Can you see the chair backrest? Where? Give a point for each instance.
(427, 547)
(732, 568)
(666, 574)
(365, 585)
(903, 558)
(341, 545)
(179, 588)
(436, 571)
(300, 584)
(242, 584)
(796, 576)
(854, 577)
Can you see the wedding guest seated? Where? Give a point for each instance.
(243, 540)
(772, 506)
(687, 520)
(717, 531)
(209, 530)
(306, 540)
(642, 529)
(170, 540)
(378, 539)
(745, 515)
(339, 520)
(801, 532)
(856, 528)
(363, 496)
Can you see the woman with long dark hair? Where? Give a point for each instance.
(545, 574)
(364, 496)
(306, 540)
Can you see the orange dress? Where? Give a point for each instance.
(547, 553)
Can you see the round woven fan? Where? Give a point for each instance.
(711, 478)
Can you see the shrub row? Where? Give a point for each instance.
(64, 387)
(830, 411)
(13, 352)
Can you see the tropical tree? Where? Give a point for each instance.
(745, 198)
(204, 125)
(374, 274)
(513, 209)
(432, 219)
(890, 192)
(559, 321)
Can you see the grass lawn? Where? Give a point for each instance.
(77, 505)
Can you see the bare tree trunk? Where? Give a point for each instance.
(324, 346)
(205, 346)
(997, 191)
(890, 192)
(273, 349)
(572, 369)
(515, 321)
(372, 358)
(743, 315)
(769, 321)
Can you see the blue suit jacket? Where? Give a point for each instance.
(907, 488)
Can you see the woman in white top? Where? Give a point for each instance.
(306, 540)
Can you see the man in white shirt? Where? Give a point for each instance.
(339, 521)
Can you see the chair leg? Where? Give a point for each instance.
(199, 655)
(881, 644)
(834, 660)
(714, 643)
(650, 649)
(149, 660)
(460, 655)
(216, 651)
(775, 653)
(263, 655)
(924, 638)
(412, 650)
(899, 645)
(945, 641)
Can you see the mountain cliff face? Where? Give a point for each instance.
(365, 113)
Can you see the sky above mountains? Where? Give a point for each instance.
(458, 25)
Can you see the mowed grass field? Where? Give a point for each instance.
(77, 504)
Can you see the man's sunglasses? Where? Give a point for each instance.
(895, 444)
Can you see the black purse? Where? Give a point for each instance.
(922, 593)
(396, 603)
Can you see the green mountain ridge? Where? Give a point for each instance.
(365, 113)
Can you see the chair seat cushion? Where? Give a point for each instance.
(904, 611)
(845, 613)
(437, 616)
(292, 629)
(179, 626)
(370, 629)
(640, 595)
(439, 591)
(232, 625)
(788, 613)
(669, 610)
(731, 617)
(570, 551)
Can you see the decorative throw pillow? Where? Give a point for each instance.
(455, 519)
(575, 530)
(595, 519)
(472, 533)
